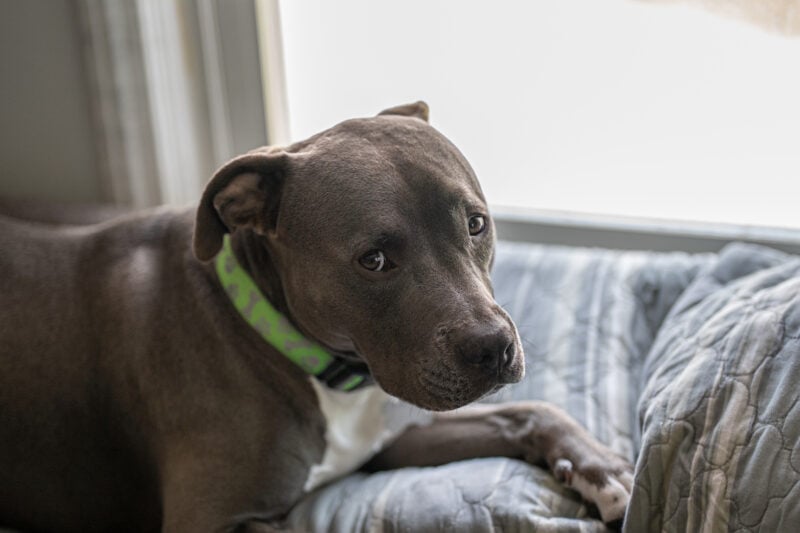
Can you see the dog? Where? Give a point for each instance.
(182, 370)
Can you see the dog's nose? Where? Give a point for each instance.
(491, 349)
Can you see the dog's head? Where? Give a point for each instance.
(383, 243)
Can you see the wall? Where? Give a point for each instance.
(46, 146)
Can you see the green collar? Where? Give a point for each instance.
(279, 332)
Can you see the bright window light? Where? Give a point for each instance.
(610, 107)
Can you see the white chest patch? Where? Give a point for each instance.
(359, 424)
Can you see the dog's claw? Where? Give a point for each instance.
(609, 491)
(610, 497)
(562, 471)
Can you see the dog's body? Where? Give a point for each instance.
(134, 397)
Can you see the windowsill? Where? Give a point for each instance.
(630, 233)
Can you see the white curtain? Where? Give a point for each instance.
(176, 92)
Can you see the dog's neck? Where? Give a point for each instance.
(254, 257)
(240, 278)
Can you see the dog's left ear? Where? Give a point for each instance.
(244, 193)
(418, 110)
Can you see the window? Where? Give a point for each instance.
(610, 107)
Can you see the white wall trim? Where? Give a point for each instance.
(273, 72)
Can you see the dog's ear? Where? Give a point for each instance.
(419, 110)
(244, 193)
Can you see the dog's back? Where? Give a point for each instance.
(113, 357)
(61, 292)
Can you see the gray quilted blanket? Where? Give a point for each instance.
(720, 446)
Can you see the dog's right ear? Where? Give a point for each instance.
(244, 193)
(418, 110)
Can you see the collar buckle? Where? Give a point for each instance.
(344, 376)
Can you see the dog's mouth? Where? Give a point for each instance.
(441, 381)
(449, 395)
(443, 387)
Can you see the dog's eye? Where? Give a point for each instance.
(476, 224)
(375, 261)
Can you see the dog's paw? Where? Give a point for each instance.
(547, 434)
(607, 485)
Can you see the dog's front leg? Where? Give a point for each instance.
(537, 432)
(207, 489)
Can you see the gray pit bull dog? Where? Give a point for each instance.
(140, 392)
